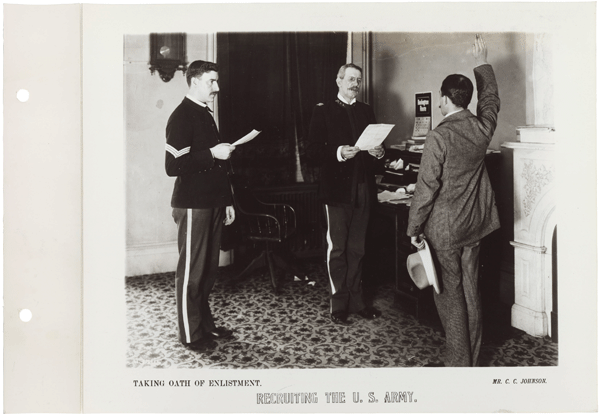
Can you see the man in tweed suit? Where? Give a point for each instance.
(454, 207)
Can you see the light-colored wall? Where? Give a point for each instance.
(402, 64)
(407, 63)
(151, 232)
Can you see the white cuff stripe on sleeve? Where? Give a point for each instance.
(176, 153)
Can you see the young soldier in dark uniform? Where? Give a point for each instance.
(347, 188)
(202, 203)
(454, 206)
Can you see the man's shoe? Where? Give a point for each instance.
(434, 364)
(201, 345)
(220, 333)
(340, 318)
(369, 313)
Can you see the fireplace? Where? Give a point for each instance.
(534, 231)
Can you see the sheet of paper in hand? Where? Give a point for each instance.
(247, 138)
(373, 135)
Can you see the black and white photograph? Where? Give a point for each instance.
(304, 273)
(288, 207)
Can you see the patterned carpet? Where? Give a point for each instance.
(292, 329)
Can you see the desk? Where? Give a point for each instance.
(389, 223)
(407, 296)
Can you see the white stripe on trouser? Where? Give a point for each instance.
(329, 249)
(186, 278)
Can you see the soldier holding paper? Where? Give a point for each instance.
(347, 188)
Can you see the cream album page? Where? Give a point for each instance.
(91, 245)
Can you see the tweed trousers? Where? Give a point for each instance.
(459, 304)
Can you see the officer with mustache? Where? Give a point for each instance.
(202, 203)
(347, 189)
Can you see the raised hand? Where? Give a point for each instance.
(479, 50)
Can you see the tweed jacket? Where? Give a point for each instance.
(202, 181)
(454, 203)
(330, 128)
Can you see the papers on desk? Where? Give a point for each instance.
(417, 148)
(373, 135)
(397, 165)
(393, 197)
(247, 138)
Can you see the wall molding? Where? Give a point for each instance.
(537, 249)
(151, 258)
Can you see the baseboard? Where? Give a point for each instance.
(145, 259)
(151, 258)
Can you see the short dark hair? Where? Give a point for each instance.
(459, 89)
(197, 68)
(342, 72)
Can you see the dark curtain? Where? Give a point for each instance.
(271, 82)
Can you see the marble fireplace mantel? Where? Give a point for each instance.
(534, 224)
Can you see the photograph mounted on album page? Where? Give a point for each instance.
(190, 225)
